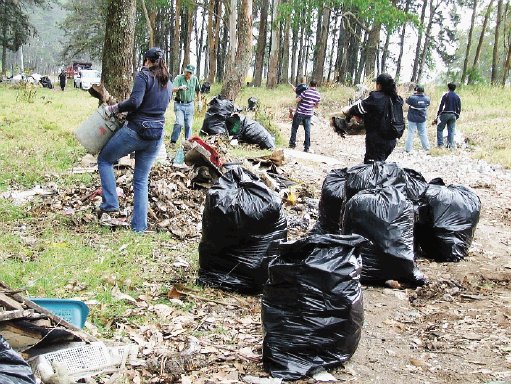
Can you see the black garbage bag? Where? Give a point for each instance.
(252, 103)
(13, 369)
(214, 124)
(241, 225)
(219, 106)
(448, 218)
(377, 174)
(385, 217)
(312, 307)
(205, 87)
(331, 202)
(416, 184)
(252, 132)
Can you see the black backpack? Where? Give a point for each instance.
(393, 122)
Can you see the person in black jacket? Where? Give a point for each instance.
(372, 110)
(448, 112)
(62, 79)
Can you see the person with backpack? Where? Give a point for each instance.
(382, 112)
(448, 112)
(417, 112)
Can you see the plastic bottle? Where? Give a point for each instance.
(180, 156)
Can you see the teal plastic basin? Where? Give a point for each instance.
(72, 311)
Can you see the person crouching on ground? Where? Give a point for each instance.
(186, 86)
(142, 133)
(372, 110)
(307, 101)
(417, 113)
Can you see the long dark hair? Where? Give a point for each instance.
(160, 71)
(388, 85)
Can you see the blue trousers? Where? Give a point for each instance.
(184, 117)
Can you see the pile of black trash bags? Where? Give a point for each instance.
(402, 215)
(374, 219)
(222, 118)
(312, 307)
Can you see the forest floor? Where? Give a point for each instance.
(141, 289)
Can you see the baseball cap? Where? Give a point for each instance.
(419, 88)
(190, 68)
(154, 53)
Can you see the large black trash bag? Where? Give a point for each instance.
(252, 132)
(385, 217)
(214, 124)
(448, 218)
(13, 369)
(241, 225)
(219, 106)
(331, 202)
(377, 174)
(416, 184)
(312, 307)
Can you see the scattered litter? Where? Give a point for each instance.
(22, 197)
(324, 376)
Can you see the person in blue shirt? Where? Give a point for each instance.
(448, 112)
(417, 113)
(142, 134)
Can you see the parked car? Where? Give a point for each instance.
(86, 78)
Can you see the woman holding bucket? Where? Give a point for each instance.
(142, 133)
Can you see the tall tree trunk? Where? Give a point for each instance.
(331, 64)
(507, 63)
(261, 44)
(469, 41)
(427, 38)
(294, 47)
(189, 11)
(4, 39)
(362, 61)
(373, 40)
(118, 48)
(495, 59)
(238, 66)
(215, 11)
(481, 38)
(401, 44)
(176, 39)
(318, 71)
(385, 54)
(416, 61)
(222, 54)
(352, 55)
(150, 29)
(299, 67)
(284, 67)
(507, 48)
(200, 43)
(275, 45)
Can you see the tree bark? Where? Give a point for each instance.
(189, 10)
(495, 59)
(419, 43)
(294, 56)
(118, 48)
(299, 67)
(261, 44)
(385, 53)
(150, 29)
(318, 71)
(214, 12)
(200, 43)
(176, 39)
(373, 40)
(401, 44)
(352, 56)
(469, 41)
(222, 55)
(274, 52)
(427, 38)
(237, 68)
(507, 60)
(331, 64)
(284, 67)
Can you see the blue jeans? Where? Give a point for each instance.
(412, 127)
(298, 119)
(450, 120)
(122, 143)
(184, 116)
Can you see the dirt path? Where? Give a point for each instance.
(456, 330)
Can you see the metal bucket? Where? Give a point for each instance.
(94, 132)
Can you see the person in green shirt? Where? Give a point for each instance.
(186, 87)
